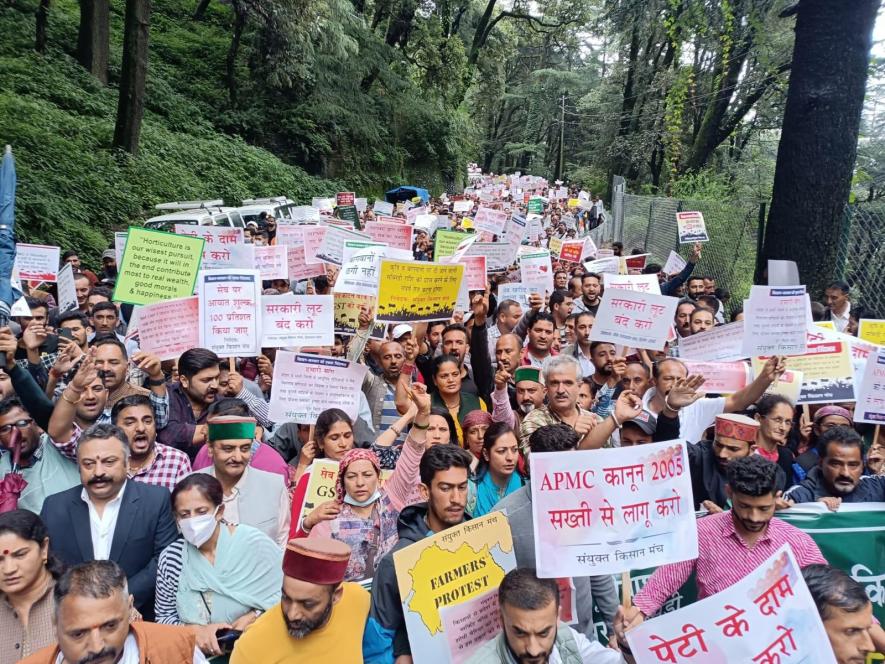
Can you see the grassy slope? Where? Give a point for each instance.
(73, 190)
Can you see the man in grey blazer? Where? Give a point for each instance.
(111, 518)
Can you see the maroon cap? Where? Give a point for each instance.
(319, 560)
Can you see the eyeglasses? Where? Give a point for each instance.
(779, 421)
(21, 424)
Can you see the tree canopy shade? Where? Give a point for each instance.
(818, 144)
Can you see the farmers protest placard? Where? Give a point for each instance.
(157, 266)
(765, 618)
(644, 283)
(230, 323)
(409, 292)
(536, 271)
(723, 343)
(296, 320)
(871, 395)
(827, 372)
(775, 321)
(611, 510)
(691, 227)
(449, 582)
(306, 385)
(487, 220)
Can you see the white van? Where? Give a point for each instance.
(195, 213)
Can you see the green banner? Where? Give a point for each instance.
(446, 242)
(348, 213)
(536, 205)
(852, 539)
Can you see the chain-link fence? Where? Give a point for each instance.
(649, 224)
(862, 256)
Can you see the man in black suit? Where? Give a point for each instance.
(110, 518)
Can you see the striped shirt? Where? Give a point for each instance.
(168, 574)
(724, 559)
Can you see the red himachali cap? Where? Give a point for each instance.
(739, 427)
(319, 560)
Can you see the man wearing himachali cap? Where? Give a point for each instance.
(320, 618)
(735, 439)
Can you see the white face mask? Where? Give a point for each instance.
(365, 503)
(198, 529)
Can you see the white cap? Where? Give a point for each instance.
(401, 330)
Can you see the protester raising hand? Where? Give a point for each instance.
(684, 392)
(8, 345)
(502, 378)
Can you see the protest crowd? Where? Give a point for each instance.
(433, 429)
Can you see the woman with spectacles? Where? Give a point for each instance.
(775, 416)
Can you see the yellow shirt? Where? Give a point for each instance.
(340, 640)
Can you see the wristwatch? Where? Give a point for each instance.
(156, 382)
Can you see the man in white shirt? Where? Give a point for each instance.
(532, 633)
(92, 615)
(700, 415)
(838, 304)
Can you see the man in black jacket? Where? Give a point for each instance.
(444, 471)
(110, 518)
(838, 475)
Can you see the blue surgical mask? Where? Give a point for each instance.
(365, 503)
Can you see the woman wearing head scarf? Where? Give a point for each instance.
(364, 513)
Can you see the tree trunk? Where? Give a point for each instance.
(231, 61)
(818, 143)
(42, 20)
(94, 37)
(133, 75)
(200, 11)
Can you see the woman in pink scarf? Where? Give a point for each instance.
(365, 512)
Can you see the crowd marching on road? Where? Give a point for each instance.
(429, 370)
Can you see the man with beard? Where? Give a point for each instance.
(108, 273)
(320, 618)
(189, 400)
(694, 287)
(380, 390)
(110, 518)
(444, 470)
(42, 466)
(255, 497)
(731, 544)
(539, 346)
(700, 320)
(561, 304)
(93, 610)
(532, 632)
(149, 461)
(112, 364)
(838, 476)
(608, 369)
(528, 394)
(735, 438)
(591, 293)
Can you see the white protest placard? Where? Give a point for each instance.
(497, 255)
(306, 385)
(229, 311)
(776, 321)
(474, 278)
(360, 274)
(514, 235)
(383, 207)
(723, 343)
(67, 292)
(223, 246)
(413, 213)
(394, 235)
(331, 248)
(721, 377)
(490, 221)
(361, 204)
(870, 406)
(675, 263)
(297, 320)
(298, 268)
(512, 291)
(608, 265)
(635, 319)
(536, 271)
(644, 283)
(426, 223)
(301, 214)
(120, 245)
(36, 262)
(768, 617)
(783, 273)
(462, 206)
(170, 327)
(323, 204)
(691, 227)
(272, 261)
(612, 510)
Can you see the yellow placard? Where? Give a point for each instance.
(467, 222)
(826, 324)
(872, 330)
(321, 486)
(574, 202)
(827, 372)
(417, 291)
(555, 246)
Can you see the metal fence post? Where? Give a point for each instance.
(651, 216)
(760, 239)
